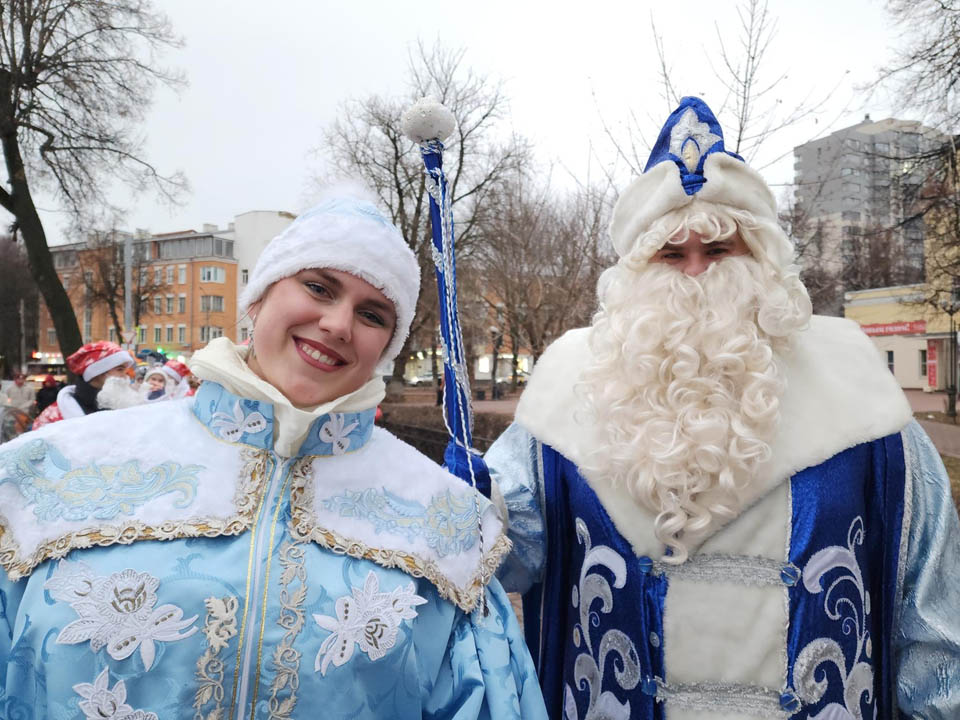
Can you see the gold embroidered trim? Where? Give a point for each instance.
(286, 660)
(303, 527)
(219, 628)
(19, 565)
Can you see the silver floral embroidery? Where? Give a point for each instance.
(219, 628)
(589, 665)
(117, 612)
(369, 619)
(286, 658)
(232, 427)
(101, 703)
(336, 432)
(851, 610)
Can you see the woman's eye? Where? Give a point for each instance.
(317, 288)
(373, 318)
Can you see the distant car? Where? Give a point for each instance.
(420, 380)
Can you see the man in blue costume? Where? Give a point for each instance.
(721, 506)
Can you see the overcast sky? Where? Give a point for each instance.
(266, 78)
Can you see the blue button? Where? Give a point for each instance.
(790, 575)
(649, 686)
(645, 564)
(790, 702)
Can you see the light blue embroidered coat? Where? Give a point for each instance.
(834, 594)
(164, 562)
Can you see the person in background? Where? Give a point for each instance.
(92, 364)
(19, 395)
(47, 394)
(178, 373)
(263, 551)
(155, 384)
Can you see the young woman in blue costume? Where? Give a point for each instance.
(263, 551)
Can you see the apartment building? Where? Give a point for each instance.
(862, 181)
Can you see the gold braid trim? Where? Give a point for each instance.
(252, 476)
(303, 527)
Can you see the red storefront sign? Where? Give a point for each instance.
(932, 363)
(914, 327)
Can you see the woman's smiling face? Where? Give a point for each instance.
(319, 335)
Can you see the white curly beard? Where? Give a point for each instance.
(684, 386)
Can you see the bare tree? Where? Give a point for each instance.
(101, 266)
(366, 142)
(748, 100)
(76, 77)
(541, 257)
(18, 305)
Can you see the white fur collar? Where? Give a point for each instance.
(67, 404)
(839, 394)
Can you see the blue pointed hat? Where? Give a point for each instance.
(689, 164)
(689, 136)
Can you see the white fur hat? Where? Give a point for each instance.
(344, 231)
(688, 162)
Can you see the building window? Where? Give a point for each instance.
(923, 363)
(112, 334)
(208, 333)
(158, 305)
(51, 336)
(169, 334)
(87, 323)
(141, 334)
(211, 273)
(157, 334)
(244, 334)
(181, 303)
(890, 360)
(157, 276)
(169, 304)
(143, 277)
(169, 274)
(211, 303)
(182, 334)
(182, 272)
(244, 276)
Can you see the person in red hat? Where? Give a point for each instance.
(92, 364)
(178, 372)
(47, 394)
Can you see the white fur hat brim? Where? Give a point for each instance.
(728, 181)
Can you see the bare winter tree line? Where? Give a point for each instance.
(76, 77)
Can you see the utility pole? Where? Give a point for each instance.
(128, 330)
(23, 337)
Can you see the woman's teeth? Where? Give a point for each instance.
(317, 355)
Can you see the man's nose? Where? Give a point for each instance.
(696, 264)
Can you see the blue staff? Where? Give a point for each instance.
(428, 123)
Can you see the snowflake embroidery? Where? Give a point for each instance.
(117, 612)
(369, 618)
(232, 428)
(336, 432)
(101, 703)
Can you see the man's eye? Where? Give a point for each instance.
(718, 251)
(671, 256)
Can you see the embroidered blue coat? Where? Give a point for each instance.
(164, 562)
(834, 594)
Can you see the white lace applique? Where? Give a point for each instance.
(369, 619)
(232, 428)
(336, 432)
(117, 611)
(101, 703)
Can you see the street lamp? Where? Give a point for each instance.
(496, 339)
(951, 307)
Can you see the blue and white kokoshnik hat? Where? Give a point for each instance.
(688, 163)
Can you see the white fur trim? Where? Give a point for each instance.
(344, 232)
(106, 364)
(839, 394)
(726, 632)
(658, 191)
(426, 120)
(69, 408)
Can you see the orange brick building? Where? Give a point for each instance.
(186, 284)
